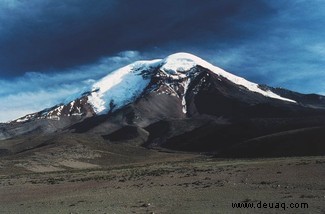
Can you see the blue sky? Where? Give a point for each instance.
(50, 50)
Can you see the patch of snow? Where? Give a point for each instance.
(186, 83)
(172, 90)
(57, 110)
(71, 105)
(24, 119)
(53, 117)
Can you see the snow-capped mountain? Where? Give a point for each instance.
(183, 103)
(180, 86)
(171, 76)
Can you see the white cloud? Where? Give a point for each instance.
(11, 4)
(318, 49)
(22, 103)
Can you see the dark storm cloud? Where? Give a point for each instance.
(45, 34)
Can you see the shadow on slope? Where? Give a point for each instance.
(223, 138)
(300, 142)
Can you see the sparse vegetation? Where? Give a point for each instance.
(169, 182)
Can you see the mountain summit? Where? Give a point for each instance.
(174, 100)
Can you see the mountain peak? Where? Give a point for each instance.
(171, 75)
(182, 62)
(183, 57)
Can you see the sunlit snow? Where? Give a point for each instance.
(120, 87)
(126, 84)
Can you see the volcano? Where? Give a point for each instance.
(184, 103)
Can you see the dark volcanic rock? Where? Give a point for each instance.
(128, 134)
